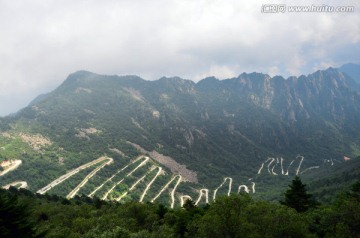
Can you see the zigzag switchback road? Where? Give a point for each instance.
(117, 172)
(172, 192)
(22, 184)
(150, 183)
(86, 179)
(230, 185)
(71, 173)
(130, 173)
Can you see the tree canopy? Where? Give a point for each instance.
(23, 214)
(297, 196)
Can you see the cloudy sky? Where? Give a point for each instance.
(43, 41)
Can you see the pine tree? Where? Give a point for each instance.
(14, 217)
(297, 197)
(189, 205)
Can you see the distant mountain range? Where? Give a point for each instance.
(252, 129)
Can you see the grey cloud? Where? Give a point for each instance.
(43, 41)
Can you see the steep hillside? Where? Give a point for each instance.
(247, 133)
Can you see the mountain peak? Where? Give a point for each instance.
(254, 75)
(80, 74)
(173, 79)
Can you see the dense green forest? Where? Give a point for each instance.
(24, 214)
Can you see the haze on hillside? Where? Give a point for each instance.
(252, 132)
(44, 41)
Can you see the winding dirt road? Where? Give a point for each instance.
(22, 184)
(130, 173)
(12, 166)
(246, 188)
(117, 172)
(172, 192)
(274, 162)
(149, 184)
(298, 169)
(136, 183)
(183, 198)
(69, 174)
(229, 190)
(201, 192)
(86, 179)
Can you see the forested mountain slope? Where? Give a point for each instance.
(248, 132)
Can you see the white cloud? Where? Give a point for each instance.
(220, 72)
(324, 65)
(294, 64)
(273, 71)
(42, 41)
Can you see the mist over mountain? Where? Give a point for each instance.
(247, 129)
(353, 70)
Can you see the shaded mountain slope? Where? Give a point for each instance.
(217, 128)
